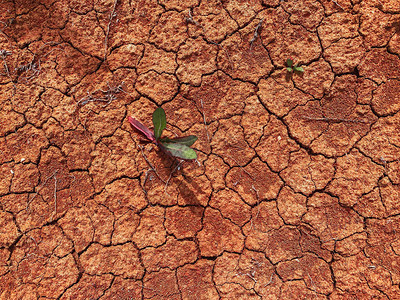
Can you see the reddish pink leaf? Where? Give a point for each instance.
(143, 129)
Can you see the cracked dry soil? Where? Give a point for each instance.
(296, 194)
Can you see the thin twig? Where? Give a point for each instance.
(334, 1)
(312, 282)
(150, 165)
(178, 166)
(256, 32)
(30, 67)
(35, 67)
(40, 188)
(254, 189)
(204, 119)
(152, 168)
(55, 194)
(244, 170)
(108, 29)
(246, 274)
(3, 55)
(37, 245)
(270, 280)
(190, 19)
(5, 26)
(108, 95)
(145, 179)
(311, 175)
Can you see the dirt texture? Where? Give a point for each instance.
(296, 190)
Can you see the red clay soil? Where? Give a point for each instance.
(296, 191)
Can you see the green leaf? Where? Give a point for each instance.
(186, 140)
(180, 151)
(289, 69)
(299, 69)
(159, 122)
(289, 62)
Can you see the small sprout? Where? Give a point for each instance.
(293, 68)
(176, 147)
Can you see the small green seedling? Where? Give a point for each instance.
(176, 147)
(293, 68)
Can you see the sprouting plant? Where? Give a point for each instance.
(176, 147)
(293, 68)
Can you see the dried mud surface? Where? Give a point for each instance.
(296, 193)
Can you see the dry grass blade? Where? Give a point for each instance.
(256, 32)
(106, 96)
(108, 29)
